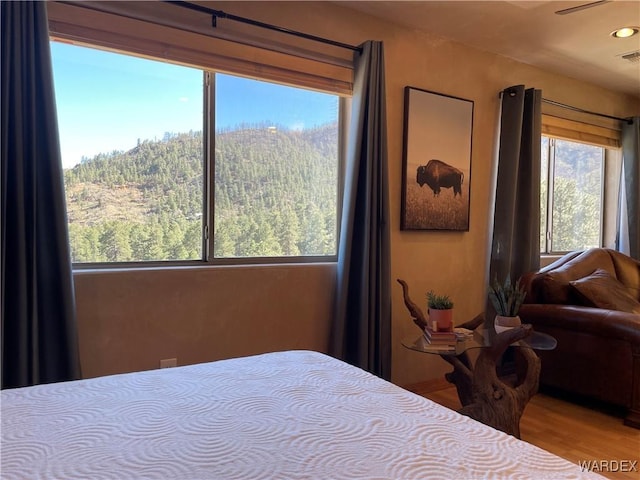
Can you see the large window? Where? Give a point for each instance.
(164, 162)
(571, 195)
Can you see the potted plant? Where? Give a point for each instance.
(440, 310)
(506, 298)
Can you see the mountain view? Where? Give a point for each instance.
(275, 195)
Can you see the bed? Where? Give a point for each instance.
(283, 415)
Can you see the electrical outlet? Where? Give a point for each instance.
(169, 362)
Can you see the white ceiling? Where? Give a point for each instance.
(577, 44)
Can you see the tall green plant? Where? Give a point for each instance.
(506, 297)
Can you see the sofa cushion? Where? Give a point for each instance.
(553, 286)
(601, 290)
(627, 271)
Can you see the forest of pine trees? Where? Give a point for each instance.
(275, 195)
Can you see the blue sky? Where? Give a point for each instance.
(108, 101)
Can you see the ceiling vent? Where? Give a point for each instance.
(578, 8)
(633, 57)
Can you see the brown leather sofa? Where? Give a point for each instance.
(590, 302)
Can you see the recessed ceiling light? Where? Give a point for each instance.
(625, 32)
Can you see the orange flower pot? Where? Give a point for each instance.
(441, 320)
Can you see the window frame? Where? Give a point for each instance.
(208, 139)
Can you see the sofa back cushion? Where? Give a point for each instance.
(553, 285)
(601, 290)
(627, 272)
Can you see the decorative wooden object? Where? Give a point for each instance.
(493, 401)
(418, 316)
(483, 395)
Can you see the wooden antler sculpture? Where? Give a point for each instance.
(494, 402)
(418, 316)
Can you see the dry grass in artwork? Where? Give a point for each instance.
(423, 211)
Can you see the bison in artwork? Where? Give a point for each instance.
(438, 174)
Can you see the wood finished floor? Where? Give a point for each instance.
(572, 431)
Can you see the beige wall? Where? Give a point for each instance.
(130, 320)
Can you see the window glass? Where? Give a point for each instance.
(133, 142)
(276, 165)
(132, 153)
(574, 216)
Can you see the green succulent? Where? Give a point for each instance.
(438, 302)
(507, 297)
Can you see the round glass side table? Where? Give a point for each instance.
(481, 338)
(483, 394)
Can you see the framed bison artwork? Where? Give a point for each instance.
(436, 173)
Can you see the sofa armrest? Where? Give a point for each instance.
(594, 321)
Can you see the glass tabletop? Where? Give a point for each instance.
(481, 338)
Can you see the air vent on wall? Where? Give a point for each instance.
(633, 57)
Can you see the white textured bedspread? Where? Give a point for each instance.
(286, 415)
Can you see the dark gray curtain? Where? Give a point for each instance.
(515, 248)
(361, 333)
(39, 340)
(629, 224)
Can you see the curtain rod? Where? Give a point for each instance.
(576, 109)
(220, 14)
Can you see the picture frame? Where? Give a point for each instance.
(436, 165)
